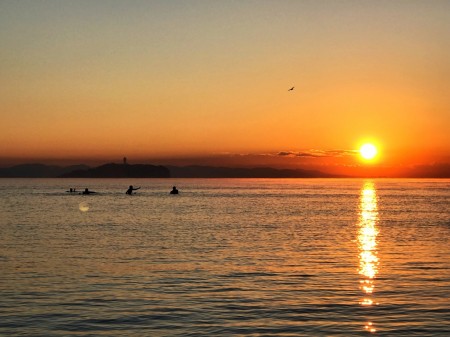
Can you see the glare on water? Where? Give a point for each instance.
(367, 242)
(83, 206)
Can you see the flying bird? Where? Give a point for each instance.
(291, 89)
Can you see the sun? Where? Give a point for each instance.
(368, 151)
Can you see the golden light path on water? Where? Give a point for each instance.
(367, 243)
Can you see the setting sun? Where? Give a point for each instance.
(368, 151)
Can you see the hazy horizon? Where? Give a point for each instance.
(208, 82)
(437, 170)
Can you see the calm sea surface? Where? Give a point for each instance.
(225, 257)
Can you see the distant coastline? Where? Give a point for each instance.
(113, 170)
(120, 171)
(153, 171)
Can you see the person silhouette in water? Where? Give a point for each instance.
(86, 191)
(131, 189)
(174, 190)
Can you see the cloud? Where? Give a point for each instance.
(318, 153)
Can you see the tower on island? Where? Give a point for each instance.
(124, 160)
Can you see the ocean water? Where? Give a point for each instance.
(225, 257)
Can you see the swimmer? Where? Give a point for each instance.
(131, 189)
(86, 191)
(174, 190)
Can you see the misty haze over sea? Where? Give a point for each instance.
(193, 171)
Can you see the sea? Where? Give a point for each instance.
(225, 257)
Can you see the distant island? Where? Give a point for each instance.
(38, 171)
(195, 171)
(152, 171)
(120, 171)
(113, 170)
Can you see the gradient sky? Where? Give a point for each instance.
(99, 80)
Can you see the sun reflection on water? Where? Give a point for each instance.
(367, 243)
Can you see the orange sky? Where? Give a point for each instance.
(94, 81)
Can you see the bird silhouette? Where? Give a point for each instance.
(291, 89)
